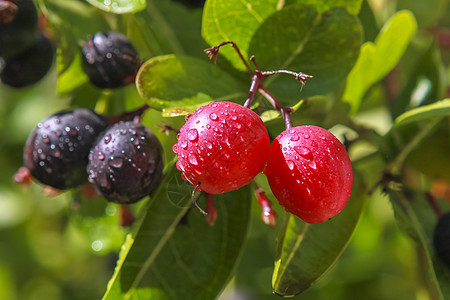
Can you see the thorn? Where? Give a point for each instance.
(196, 197)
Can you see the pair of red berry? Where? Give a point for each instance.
(224, 145)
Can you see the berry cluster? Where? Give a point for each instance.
(26, 54)
(224, 145)
(124, 161)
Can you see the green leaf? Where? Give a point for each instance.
(174, 253)
(119, 6)
(426, 80)
(62, 16)
(306, 252)
(437, 109)
(377, 59)
(300, 39)
(182, 83)
(237, 21)
(352, 6)
(415, 216)
(72, 77)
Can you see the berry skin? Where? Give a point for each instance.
(441, 239)
(30, 66)
(310, 173)
(110, 60)
(222, 146)
(126, 164)
(19, 34)
(56, 152)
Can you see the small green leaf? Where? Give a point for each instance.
(182, 83)
(377, 59)
(237, 21)
(298, 38)
(306, 252)
(437, 109)
(119, 6)
(174, 253)
(352, 6)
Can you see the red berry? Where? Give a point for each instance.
(310, 173)
(222, 146)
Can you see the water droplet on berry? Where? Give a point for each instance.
(116, 162)
(45, 139)
(101, 156)
(209, 145)
(304, 152)
(183, 144)
(312, 164)
(107, 138)
(295, 138)
(175, 148)
(213, 117)
(193, 159)
(192, 135)
(290, 165)
(306, 136)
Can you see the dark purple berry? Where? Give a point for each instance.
(20, 33)
(126, 163)
(441, 239)
(110, 60)
(30, 66)
(56, 152)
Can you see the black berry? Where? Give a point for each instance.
(441, 239)
(126, 163)
(20, 33)
(110, 60)
(56, 152)
(30, 66)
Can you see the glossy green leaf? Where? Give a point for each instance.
(179, 84)
(437, 109)
(119, 6)
(352, 6)
(377, 59)
(62, 15)
(237, 21)
(306, 252)
(174, 253)
(298, 38)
